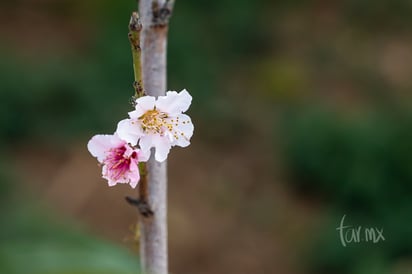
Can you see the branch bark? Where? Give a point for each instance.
(154, 16)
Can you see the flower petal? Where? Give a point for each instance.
(162, 145)
(100, 144)
(135, 114)
(143, 156)
(133, 184)
(128, 152)
(104, 175)
(174, 103)
(144, 104)
(134, 165)
(134, 175)
(182, 130)
(129, 131)
(111, 182)
(145, 143)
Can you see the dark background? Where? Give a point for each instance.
(302, 115)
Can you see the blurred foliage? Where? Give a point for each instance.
(33, 241)
(60, 95)
(361, 166)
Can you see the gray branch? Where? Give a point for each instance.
(155, 15)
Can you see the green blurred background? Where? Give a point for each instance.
(302, 115)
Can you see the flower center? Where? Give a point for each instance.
(117, 163)
(154, 121)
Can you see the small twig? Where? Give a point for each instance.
(135, 27)
(141, 202)
(143, 191)
(141, 205)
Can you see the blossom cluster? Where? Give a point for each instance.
(155, 124)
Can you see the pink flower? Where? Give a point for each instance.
(120, 160)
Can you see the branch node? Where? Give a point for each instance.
(138, 92)
(138, 88)
(141, 205)
(135, 24)
(161, 14)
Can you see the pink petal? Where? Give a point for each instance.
(111, 182)
(134, 175)
(100, 144)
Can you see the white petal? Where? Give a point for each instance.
(129, 130)
(144, 104)
(182, 130)
(135, 114)
(100, 144)
(174, 103)
(145, 143)
(162, 145)
(143, 156)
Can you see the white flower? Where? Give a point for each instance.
(158, 123)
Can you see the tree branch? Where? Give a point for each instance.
(155, 16)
